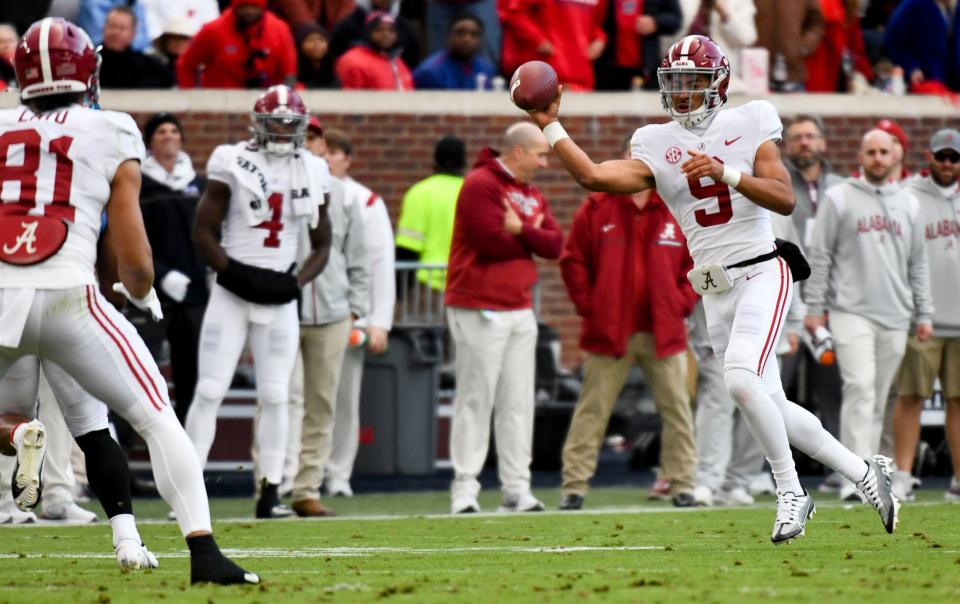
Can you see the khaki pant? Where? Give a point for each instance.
(322, 348)
(604, 377)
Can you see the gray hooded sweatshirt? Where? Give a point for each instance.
(940, 220)
(868, 256)
(344, 285)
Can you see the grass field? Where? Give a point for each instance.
(402, 548)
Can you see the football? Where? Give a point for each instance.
(533, 86)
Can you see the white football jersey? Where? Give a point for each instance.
(271, 244)
(60, 164)
(720, 224)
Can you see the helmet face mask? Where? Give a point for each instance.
(280, 121)
(693, 78)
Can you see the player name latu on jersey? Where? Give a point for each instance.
(720, 224)
(55, 177)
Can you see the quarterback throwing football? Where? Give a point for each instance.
(720, 174)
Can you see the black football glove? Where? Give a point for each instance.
(259, 285)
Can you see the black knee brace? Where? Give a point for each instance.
(107, 471)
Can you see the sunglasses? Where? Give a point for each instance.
(947, 156)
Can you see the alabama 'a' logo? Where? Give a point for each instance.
(26, 240)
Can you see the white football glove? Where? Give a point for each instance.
(175, 285)
(149, 303)
(132, 555)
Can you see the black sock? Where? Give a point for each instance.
(107, 471)
(209, 565)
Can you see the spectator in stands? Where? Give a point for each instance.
(840, 57)
(567, 35)
(922, 38)
(123, 67)
(460, 66)
(174, 40)
(326, 13)
(870, 271)
(376, 324)
(330, 306)
(8, 47)
(901, 145)
(502, 222)
(93, 19)
(625, 268)
(245, 47)
(425, 227)
(732, 25)
(938, 357)
(873, 23)
(442, 13)
(372, 65)
(790, 30)
(811, 175)
(632, 53)
(168, 199)
(193, 14)
(352, 30)
(314, 63)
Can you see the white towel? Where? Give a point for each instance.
(309, 180)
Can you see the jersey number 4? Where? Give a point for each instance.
(274, 225)
(719, 190)
(25, 173)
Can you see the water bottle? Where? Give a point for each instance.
(898, 86)
(498, 83)
(780, 72)
(358, 338)
(481, 81)
(820, 345)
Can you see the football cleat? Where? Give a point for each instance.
(132, 555)
(27, 484)
(464, 504)
(876, 489)
(793, 511)
(269, 505)
(571, 502)
(525, 502)
(703, 495)
(903, 484)
(67, 512)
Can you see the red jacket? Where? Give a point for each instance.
(568, 25)
(363, 68)
(597, 269)
(224, 53)
(489, 268)
(840, 34)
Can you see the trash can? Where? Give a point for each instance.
(398, 404)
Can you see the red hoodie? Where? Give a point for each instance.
(263, 53)
(568, 25)
(489, 268)
(598, 269)
(363, 68)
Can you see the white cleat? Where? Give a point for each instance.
(735, 496)
(14, 515)
(703, 495)
(793, 511)
(876, 489)
(67, 512)
(132, 555)
(464, 504)
(903, 484)
(525, 502)
(27, 484)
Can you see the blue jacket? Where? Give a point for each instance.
(93, 15)
(917, 38)
(441, 71)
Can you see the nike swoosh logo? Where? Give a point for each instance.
(752, 276)
(607, 227)
(731, 141)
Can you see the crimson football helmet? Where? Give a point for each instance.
(280, 120)
(57, 57)
(694, 76)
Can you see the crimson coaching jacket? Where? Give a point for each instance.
(489, 268)
(598, 269)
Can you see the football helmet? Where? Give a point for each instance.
(57, 57)
(280, 120)
(694, 76)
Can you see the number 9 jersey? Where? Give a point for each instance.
(56, 169)
(720, 224)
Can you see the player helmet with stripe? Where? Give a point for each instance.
(694, 76)
(54, 57)
(280, 120)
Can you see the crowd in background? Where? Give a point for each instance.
(858, 46)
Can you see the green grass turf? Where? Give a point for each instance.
(388, 548)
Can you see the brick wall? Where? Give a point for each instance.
(394, 150)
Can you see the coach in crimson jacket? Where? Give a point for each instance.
(501, 222)
(625, 267)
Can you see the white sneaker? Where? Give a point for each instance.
(735, 496)
(525, 502)
(339, 488)
(27, 483)
(15, 515)
(832, 483)
(132, 555)
(67, 512)
(172, 516)
(762, 484)
(464, 504)
(953, 493)
(902, 483)
(849, 492)
(793, 511)
(703, 495)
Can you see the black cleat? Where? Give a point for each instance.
(269, 506)
(684, 500)
(209, 565)
(571, 502)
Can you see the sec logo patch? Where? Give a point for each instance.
(673, 154)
